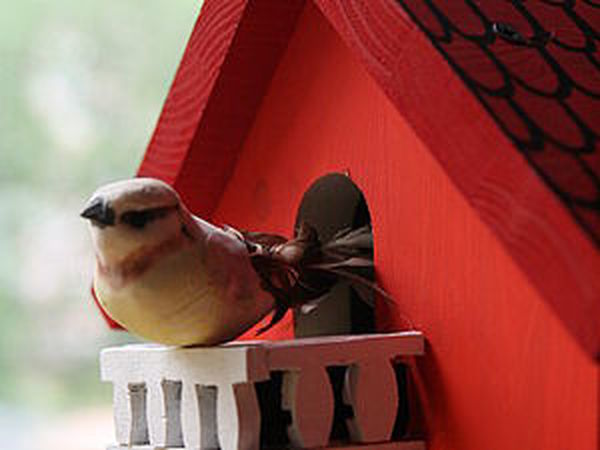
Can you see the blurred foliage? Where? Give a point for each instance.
(81, 87)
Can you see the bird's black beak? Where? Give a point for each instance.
(98, 210)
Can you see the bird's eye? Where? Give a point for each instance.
(136, 219)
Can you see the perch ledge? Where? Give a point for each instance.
(206, 398)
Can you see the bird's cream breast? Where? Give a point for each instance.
(176, 301)
(168, 296)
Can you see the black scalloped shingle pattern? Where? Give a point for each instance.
(535, 66)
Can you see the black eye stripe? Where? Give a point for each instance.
(138, 219)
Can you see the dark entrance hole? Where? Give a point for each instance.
(333, 203)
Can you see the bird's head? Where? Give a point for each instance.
(128, 215)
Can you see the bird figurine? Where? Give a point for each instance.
(170, 277)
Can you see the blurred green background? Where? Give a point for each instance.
(81, 87)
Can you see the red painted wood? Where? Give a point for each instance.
(501, 371)
(537, 231)
(227, 65)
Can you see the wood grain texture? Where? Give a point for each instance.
(501, 372)
(227, 65)
(538, 232)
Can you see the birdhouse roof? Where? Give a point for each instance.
(530, 167)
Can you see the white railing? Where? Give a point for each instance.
(205, 398)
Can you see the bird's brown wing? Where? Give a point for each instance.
(302, 270)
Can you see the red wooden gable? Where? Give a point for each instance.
(531, 65)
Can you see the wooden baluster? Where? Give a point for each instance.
(308, 395)
(164, 413)
(156, 413)
(370, 388)
(121, 412)
(190, 417)
(238, 417)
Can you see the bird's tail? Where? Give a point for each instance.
(300, 272)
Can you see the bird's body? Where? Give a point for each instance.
(194, 290)
(176, 279)
(173, 278)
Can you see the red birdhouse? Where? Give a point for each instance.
(470, 132)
